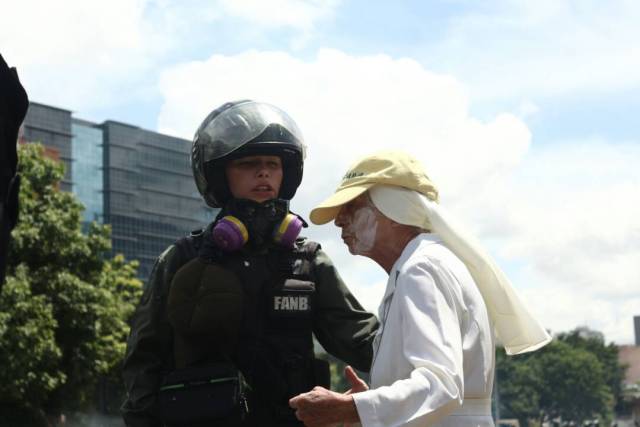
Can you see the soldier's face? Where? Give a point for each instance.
(256, 178)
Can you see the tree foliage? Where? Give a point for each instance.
(575, 378)
(574, 386)
(607, 355)
(64, 308)
(518, 386)
(27, 330)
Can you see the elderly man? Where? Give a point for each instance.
(433, 358)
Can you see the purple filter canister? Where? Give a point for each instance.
(228, 236)
(293, 228)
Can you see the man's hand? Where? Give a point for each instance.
(357, 384)
(322, 407)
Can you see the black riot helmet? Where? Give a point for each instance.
(239, 129)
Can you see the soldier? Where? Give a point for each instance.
(234, 306)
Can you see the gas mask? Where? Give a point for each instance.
(245, 220)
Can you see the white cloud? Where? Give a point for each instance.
(526, 109)
(351, 105)
(573, 211)
(544, 48)
(298, 14)
(87, 56)
(78, 54)
(564, 308)
(44, 33)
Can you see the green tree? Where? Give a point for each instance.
(574, 384)
(518, 385)
(29, 356)
(336, 368)
(575, 378)
(607, 355)
(63, 311)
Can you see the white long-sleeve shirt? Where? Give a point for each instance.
(434, 353)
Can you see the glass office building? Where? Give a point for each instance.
(87, 177)
(51, 126)
(150, 196)
(136, 180)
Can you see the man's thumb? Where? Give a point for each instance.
(357, 384)
(293, 402)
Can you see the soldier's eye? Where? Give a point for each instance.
(246, 164)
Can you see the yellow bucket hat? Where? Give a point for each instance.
(393, 168)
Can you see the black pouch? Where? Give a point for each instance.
(211, 394)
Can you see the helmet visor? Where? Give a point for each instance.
(238, 125)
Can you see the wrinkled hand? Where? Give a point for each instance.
(321, 407)
(357, 384)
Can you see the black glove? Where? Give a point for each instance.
(13, 108)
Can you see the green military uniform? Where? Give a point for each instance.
(338, 321)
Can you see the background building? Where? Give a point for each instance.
(136, 180)
(629, 356)
(52, 127)
(150, 197)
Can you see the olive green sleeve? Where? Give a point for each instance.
(341, 325)
(149, 346)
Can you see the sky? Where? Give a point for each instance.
(524, 114)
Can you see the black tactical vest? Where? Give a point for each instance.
(275, 344)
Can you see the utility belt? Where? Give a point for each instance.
(220, 395)
(199, 395)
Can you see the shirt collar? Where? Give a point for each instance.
(409, 249)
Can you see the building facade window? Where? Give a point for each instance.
(87, 176)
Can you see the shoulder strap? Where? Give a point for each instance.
(303, 255)
(189, 246)
(307, 248)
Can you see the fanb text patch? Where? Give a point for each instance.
(291, 303)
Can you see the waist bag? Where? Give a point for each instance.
(203, 394)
